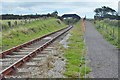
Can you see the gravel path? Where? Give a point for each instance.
(102, 55)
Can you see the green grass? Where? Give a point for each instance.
(5, 26)
(21, 22)
(109, 30)
(75, 54)
(27, 32)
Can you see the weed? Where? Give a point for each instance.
(74, 54)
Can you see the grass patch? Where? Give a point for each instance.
(27, 32)
(75, 54)
(109, 29)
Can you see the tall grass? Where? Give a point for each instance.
(5, 26)
(109, 29)
(14, 23)
(75, 54)
(24, 33)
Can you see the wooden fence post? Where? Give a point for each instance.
(113, 33)
(15, 23)
(9, 24)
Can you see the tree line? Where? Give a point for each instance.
(31, 16)
(105, 12)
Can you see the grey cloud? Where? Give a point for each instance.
(41, 7)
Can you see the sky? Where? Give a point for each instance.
(80, 7)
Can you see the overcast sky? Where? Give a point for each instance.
(82, 8)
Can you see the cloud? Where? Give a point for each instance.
(119, 8)
(81, 8)
(60, 0)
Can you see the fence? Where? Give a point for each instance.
(110, 32)
(10, 24)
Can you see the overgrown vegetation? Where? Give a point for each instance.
(109, 29)
(75, 54)
(24, 33)
(10, 24)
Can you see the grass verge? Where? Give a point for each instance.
(38, 28)
(75, 54)
(109, 30)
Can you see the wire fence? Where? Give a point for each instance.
(10, 24)
(109, 32)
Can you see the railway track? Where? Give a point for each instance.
(15, 57)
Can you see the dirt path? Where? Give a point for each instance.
(102, 55)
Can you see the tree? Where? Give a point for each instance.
(54, 14)
(48, 15)
(98, 11)
(104, 11)
(112, 11)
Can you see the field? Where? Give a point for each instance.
(109, 29)
(27, 32)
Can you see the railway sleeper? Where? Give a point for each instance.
(34, 64)
(36, 59)
(34, 46)
(38, 43)
(25, 50)
(14, 56)
(29, 48)
(20, 53)
(8, 59)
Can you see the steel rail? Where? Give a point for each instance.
(27, 57)
(26, 44)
